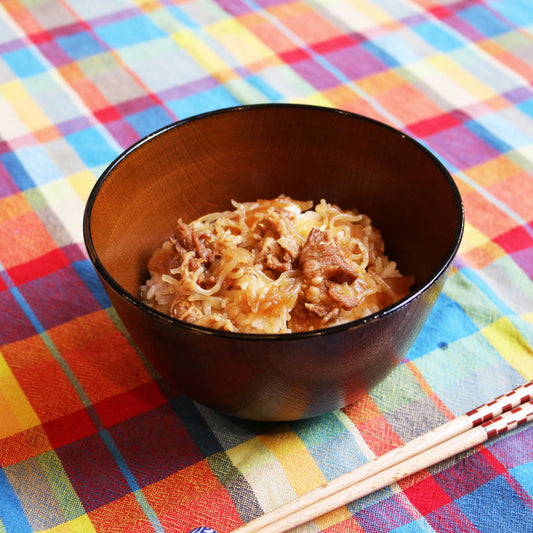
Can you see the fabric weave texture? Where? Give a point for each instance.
(91, 438)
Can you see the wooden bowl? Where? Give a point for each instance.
(197, 166)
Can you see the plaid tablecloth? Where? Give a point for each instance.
(91, 438)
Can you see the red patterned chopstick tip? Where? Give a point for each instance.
(510, 420)
(502, 404)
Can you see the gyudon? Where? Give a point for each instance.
(273, 266)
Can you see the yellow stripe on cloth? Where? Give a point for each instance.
(511, 346)
(83, 183)
(460, 75)
(29, 112)
(242, 44)
(301, 470)
(201, 53)
(472, 238)
(82, 524)
(21, 415)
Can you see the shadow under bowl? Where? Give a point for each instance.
(197, 166)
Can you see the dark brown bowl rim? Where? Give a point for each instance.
(133, 300)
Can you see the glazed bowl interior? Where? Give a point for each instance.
(199, 165)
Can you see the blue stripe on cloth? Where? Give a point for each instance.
(483, 133)
(496, 125)
(28, 311)
(386, 48)
(458, 393)
(132, 482)
(419, 526)
(39, 165)
(92, 147)
(519, 12)
(24, 63)
(182, 17)
(524, 475)
(507, 511)
(446, 323)
(196, 426)
(130, 31)
(382, 54)
(438, 37)
(17, 171)
(265, 88)
(487, 291)
(11, 512)
(484, 21)
(203, 102)
(526, 107)
(86, 272)
(319, 437)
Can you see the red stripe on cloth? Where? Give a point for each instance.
(440, 12)
(40, 37)
(433, 125)
(54, 53)
(496, 465)
(293, 56)
(107, 114)
(67, 29)
(514, 240)
(39, 267)
(426, 495)
(131, 403)
(343, 41)
(134, 105)
(69, 428)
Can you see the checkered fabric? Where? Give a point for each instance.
(91, 438)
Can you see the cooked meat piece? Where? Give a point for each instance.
(319, 310)
(321, 259)
(278, 248)
(187, 239)
(332, 315)
(273, 256)
(185, 310)
(338, 295)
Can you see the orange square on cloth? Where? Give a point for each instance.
(304, 22)
(132, 517)
(41, 378)
(22, 239)
(192, 497)
(105, 363)
(23, 445)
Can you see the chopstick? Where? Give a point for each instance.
(458, 435)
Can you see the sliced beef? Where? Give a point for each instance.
(321, 259)
(187, 239)
(277, 245)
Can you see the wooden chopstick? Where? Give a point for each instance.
(460, 434)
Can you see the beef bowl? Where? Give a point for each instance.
(199, 166)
